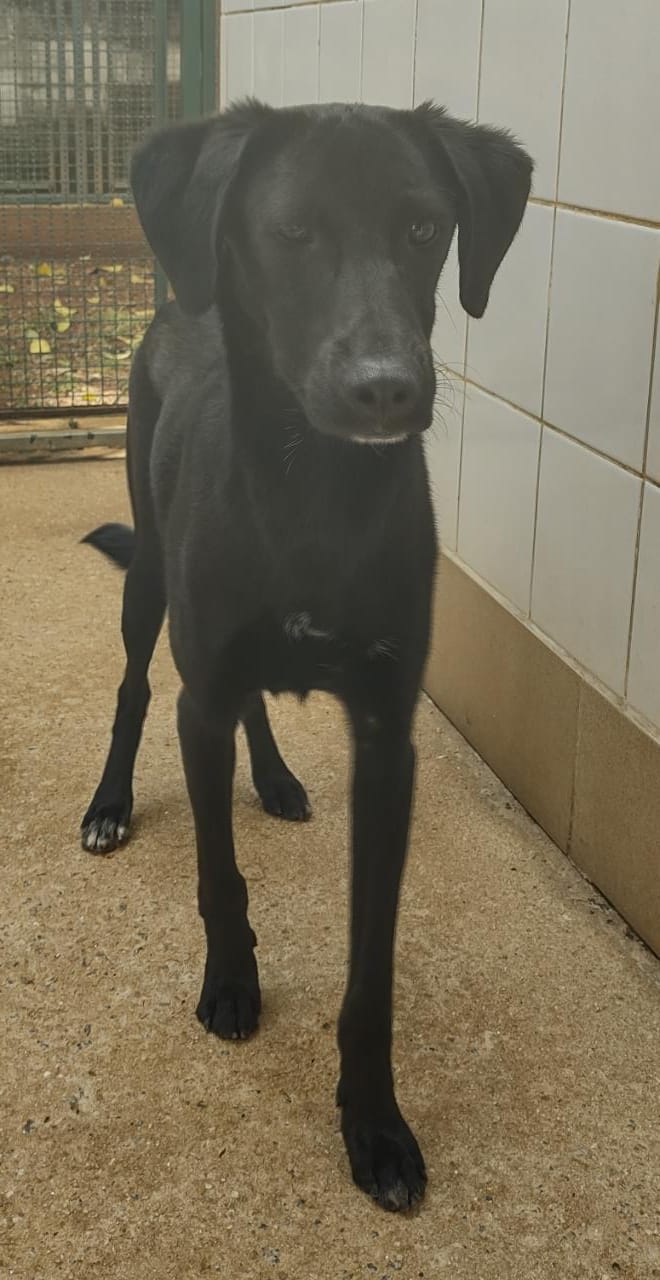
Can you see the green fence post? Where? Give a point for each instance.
(210, 76)
(199, 75)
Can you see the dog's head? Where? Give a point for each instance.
(330, 226)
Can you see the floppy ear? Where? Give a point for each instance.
(180, 177)
(493, 176)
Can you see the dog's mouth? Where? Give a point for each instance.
(376, 440)
(379, 433)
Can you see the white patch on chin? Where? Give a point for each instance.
(299, 625)
(378, 440)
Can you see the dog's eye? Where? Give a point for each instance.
(421, 233)
(294, 233)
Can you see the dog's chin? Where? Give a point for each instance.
(377, 440)
(358, 433)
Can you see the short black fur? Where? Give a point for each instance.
(282, 508)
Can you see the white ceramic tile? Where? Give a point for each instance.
(602, 311)
(585, 553)
(341, 51)
(644, 676)
(609, 152)
(236, 6)
(443, 457)
(522, 65)
(236, 36)
(268, 49)
(653, 457)
(498, 492)
(301, 55)
(447, 54)
(506, 348)
(450, 319)
(387, 52)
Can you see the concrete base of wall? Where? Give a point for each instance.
(579, 765)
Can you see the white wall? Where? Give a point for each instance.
(545, 458)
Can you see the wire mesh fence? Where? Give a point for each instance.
(81, 81)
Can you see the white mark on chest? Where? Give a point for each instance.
(298, 626)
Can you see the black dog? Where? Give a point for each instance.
(282, 508)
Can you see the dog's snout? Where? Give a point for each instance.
(382, 393)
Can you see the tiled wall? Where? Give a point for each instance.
(545, 458)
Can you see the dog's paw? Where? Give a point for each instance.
(285, 797)
(105, 826)
(230, 1009)
(386, 1161)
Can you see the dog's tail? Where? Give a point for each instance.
(116, 541)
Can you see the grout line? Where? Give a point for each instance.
(414, 54)
(627, 218)
(467, 322)
(362, 25)
(589, 677)
(252, 44)
(562, 101)
(480, 56)
(319, 7)
(633, 599)
(537, 493)
(654, 357)
(279, 8)
(460, 452)
(560, 431)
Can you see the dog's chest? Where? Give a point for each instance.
(297, 651)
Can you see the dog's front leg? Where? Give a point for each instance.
(230, 1002)
(385, 1158)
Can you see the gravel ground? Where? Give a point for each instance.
(133, 1145)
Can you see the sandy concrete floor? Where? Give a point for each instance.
(133, 1145)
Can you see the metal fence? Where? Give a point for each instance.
(81, 81)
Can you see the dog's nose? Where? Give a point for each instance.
(383, 393)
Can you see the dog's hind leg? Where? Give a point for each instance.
(278, 789)
(106, 822)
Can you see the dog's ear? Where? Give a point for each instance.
(492, 175)
(180, 177)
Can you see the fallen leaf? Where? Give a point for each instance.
(31, 333)
(6, 288)
(39, 347)
(44, 269)
(136, 278)
(63, 325)
(93, 298)
(60, 307)
(113, 268)
(117, 202)
(117, 355)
